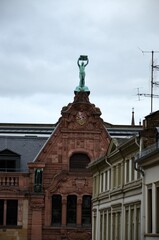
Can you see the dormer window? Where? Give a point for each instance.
(9, 161)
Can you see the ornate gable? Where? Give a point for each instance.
(79, 130)
(81, 114)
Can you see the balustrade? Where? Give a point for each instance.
(9, 181)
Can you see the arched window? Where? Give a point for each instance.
(79, 161)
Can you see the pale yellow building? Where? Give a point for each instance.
(125, 202)
(117, 193)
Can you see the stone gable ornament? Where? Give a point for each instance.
(81, 118)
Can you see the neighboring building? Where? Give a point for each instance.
(126, 187)
(148, 161)
(15, 152)
(117, 194)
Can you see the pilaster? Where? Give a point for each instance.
(37, 204)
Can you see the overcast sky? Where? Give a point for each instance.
(40, 42)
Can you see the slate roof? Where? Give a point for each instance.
(115, 131)
(27, 147)
(27, 140)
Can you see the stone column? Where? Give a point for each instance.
(37, 204)
(64, 210)
(48, 210)
(79, 211)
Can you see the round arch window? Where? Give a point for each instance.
(79, 161)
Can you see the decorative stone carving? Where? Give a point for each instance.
(79, 235)
(57, 181)
(37, 203)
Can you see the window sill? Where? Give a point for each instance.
(151, 235)
(70, 226)
(4, 228)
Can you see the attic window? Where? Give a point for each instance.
(79, 161)
(9, 161)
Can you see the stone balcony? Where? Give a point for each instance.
(14, 180)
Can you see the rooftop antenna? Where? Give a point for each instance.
(153, 66)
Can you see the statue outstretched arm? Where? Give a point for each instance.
(87, 62)
(78, 63)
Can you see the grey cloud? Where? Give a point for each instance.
(40, 42)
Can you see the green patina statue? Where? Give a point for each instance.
(82, 63)
(38, 180)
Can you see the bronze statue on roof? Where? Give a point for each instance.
(82, 62)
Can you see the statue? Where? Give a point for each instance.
(38, 180)
(82, 69)
(82, 63)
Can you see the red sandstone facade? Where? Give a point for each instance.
(54, 198)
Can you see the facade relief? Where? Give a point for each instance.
(79, 234)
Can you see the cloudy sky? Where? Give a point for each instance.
(40, 42)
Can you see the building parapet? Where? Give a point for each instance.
(150, 149)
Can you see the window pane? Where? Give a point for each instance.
(114, 176)
(149, 210)
(109, 225)
(119, 174)
(94, 228)
(86, 210)
(101, 225)
(71, 209)
(1, 211)
(56, 209)
(133, 170)
(79, 162)
(126, 223)
(101, 183)
(132, 223)
(138, 234)
(9, 161)
(11, 165)
(3, 165)
(106, 180)
(12, 207)
(127, 171)
(157, 209)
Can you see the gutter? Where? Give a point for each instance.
(138, 169)
(107, 162)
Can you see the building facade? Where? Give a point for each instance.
(46, 177)
(117, 197)
(125, 199)
(148, 161)
(47, 196)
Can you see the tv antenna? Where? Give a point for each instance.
(153, 67)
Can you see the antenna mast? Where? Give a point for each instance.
(152, 78)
